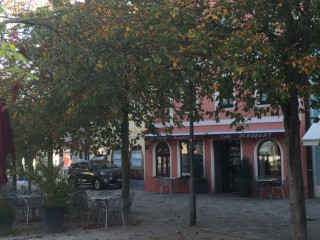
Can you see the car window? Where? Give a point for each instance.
(74, 166)
(103, 165)
(83, 166)
(102, 157)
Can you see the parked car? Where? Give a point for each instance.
(98, 173)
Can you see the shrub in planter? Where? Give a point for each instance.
(200, 182)
(6, 215)
(201, 185)
(244, 176)
(56, 192)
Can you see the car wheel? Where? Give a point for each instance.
(97, 184)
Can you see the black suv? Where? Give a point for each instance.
(98, 173)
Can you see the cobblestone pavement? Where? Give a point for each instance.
(232, 215)
(219, 216)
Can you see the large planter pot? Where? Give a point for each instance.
(201, 187)
(52, 219)
(6, 225)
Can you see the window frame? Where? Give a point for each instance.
(188, 154)
(168, 164)
(280, 160)
(259, 94)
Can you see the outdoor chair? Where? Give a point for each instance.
(131, 197)
(115, 206)
(84, 204)
(163, 182)
(102, 211)
(12, 199)
(105, 193)
(257, 186)
(281, 185)
(32, 203)
(183, 181)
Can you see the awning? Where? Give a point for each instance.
(312, 136)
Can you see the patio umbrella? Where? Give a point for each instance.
(6, 140)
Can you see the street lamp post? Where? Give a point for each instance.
(190, 85)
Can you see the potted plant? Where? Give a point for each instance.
(56, 192)
(200, 182)
(243, 176)
(6, 215)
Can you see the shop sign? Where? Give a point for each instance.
(223, 136)
(246, 135)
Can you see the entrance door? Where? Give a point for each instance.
(226, 153)
(162, 159)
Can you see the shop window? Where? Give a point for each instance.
(136, 159)
(162, 159)
(261, 97)
(185, 159)
(226, 98)
(116, 158)
(269, 160)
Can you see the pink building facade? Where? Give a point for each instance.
(217, 148)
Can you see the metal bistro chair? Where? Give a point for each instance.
(85, 204)
(281, 185)
(128, 209)
(115, 205)
(256, 185)
(109, 208)
(105, 193)
(163, 182)
(102, 210)
(12, 199)
(32, 203)
(183, 181)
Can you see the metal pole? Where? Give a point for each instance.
(192, 190)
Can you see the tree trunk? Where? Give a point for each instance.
(125, 154)
(293, 146)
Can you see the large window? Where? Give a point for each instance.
(269, 157)
(162, 159)
(136, 159)
(116, 158)
(185, 159)
(262, 97)
(226, 99)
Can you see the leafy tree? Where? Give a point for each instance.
(268, 49)
(98, 69)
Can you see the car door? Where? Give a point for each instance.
(89, 174)
(81, 173)
(84, 173)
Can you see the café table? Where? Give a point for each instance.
(172, 180)
(166, 182)
(102, 204)
(267, 183)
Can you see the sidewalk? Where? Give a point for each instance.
(166, 217)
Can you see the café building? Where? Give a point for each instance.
(218, 147)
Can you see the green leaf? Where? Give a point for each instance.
(18, 57)
(12, 47)
(157, 59)
(2, 53)
(13, 69)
